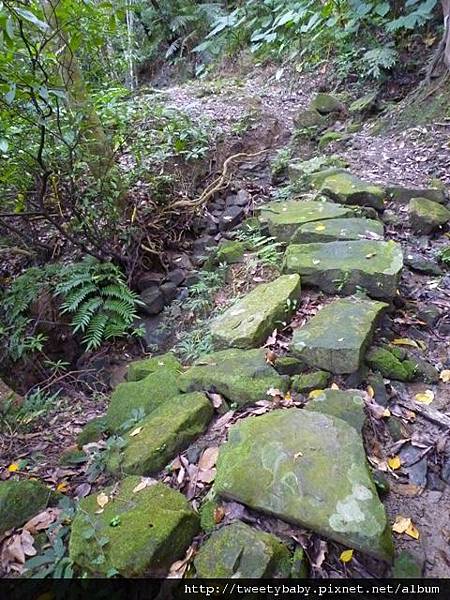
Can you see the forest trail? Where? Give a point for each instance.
(281, 376)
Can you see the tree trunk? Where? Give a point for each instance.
(446, 38)
(92, 133)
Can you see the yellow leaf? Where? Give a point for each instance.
(320, 228)
(62, 487)
(13, 467)
(386, 413)
(426, 397)
(405, 342)
(315, 394)
(394, 463)
(136, 431)
(445, 376)
(370, 391)
(346, 556)
(413, 532)
(288, 397)
(401, 524)
(371, 255)
(422, 344)
(334, 386)
(102, 499)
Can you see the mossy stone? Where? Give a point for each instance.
(310, 381)
(384, 361)
(207, 515)
(92, 431)
(299, 569)
(154, 528)
(347, 405)
(22, 499)
(284, 218)
(290, 365)
(248, 322)
(228, 253)
(332, 230)
(319, 177)
(407, 566)
(364, 103)
(343, 266)
(331, 136)
(305, 169)
(340, 348)
(239, 551)
(403, 195)
(168, 430)
(425, 215)
(326, 104)
(309, 469)
(348, 189)
(140, 369)
(310, 119)
(146, 395)
(241, 376)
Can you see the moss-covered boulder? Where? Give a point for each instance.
(347, 405)
(343, 266)
(168, 430)
(402, 195)
(318, 380)
(364, 103)
(227, 253)
(92, 431)
(331, 230)
(137, 533)
(289, 365)
(326, 104)
(284, 218)
(22, 499)
(329, 137)
(348, 189)
(425, 215)
(143, 396)
(310, 119)
(309, 469)
(390, 366)
(241, 376)
(239, 551)
(336, 338)
(249, 321)
(305, 169)
(140, 369)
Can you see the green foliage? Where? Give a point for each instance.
(266, 248)
(98, 298)
(281, 161)
(444, 256)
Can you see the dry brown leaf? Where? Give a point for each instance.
(42, 521)
(275, 393)
(219, 514)
(334, 386)
(178, 568)
(209, 458)
(401, 524)
(271, 357)
(102, 499)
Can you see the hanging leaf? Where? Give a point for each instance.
(346, 556)
(31, 18)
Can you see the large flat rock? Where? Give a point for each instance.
(168, 430)
(154, 527)
(426, 215)
(347, 405)
(309, 469)
(342, 267)
(241, 376)
(284, 218)
(348, 189)
(337, 337)
(239, 551)
(331, 230)
(248, 322)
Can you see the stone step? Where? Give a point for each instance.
(347, 405)
(348, 189)
(309, 469)
(167, 431)
(332, 230)
(425, 215)
(238, 550)
(241, 376)
(343, 266)
(248, 322)
(154, 525)
(337, 337)
(284, 218)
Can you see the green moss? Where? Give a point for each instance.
(330, 136)
(21, 500)
(347, 405)
(92, 431)
(326, 103)
(154, 528)
(426, 215)
(289, 365)
(207, 515)
(140, 369)
(146, 394)
(168, 430)
(299, 569)
(407, 567)
(348, 189)
(384, 361)
(238, 550)
(228, 253)
(310, 381)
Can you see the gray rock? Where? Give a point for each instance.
(332, 230)
(149, 280)
(231, 217)
(153, 300)
(169, 291)
(425, 215)
(347, 405)
(177, 276)
(405, 194)
(418, 263)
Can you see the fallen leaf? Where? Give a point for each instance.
(413, 532)
(209, 458)
(370, 391)
(315, 394)
(83, 490)
(445, 376)
(207, 476)
(13, 467)
(144, 483)
(320, 228)
(426, 397)
(102, 499)
(271, 357)
(288, 397)
(136, 431)
(216, 399)
(394, 462)
(371, 255)
(401, 524)
(219, 514)
(334, 386)
(62, 487)
(42, 521)
(346, 556)
(405, 342)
